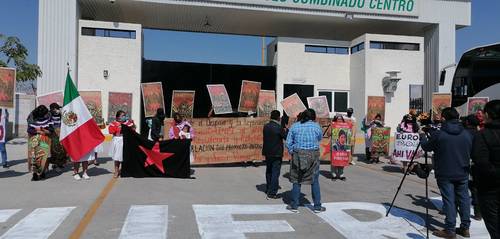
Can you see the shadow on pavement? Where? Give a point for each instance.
(11, 173)
(392, 169)
(326, 174)
(287, 197)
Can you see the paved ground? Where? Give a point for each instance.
(221, 202)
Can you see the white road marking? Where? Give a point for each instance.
(39, 224)
(7, 213)
(146, 222)
(216, 221)
(477, 228)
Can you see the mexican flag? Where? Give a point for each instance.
(79, 132)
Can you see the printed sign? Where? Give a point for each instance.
(439, 102)
(119, 101)
(93, 102)
(182, 103)
(292, 105)
(267, 103)
(341, 143)
(53, 97)
(249, 96)
(380, 137)
(220, 99)
(152, 96)
(7, 87)
(376, 105)
(476, 103)
(320, 105)
(405, 145)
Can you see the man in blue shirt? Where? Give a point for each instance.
(303, 144)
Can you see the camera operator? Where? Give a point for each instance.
(452, 147)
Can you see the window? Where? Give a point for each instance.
(359, 47)
(327, 49)
(395, 46)
(338, 101)
(101, 32)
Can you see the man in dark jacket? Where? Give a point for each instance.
(157, 127)
(272, 149)
(452, 147)
(486, 174)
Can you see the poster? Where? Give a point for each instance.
(376, 105)
(416, 98)
(119, 101)
(93, 101)
(380, 137)
(439, 102)
(249, 96)
(320, 105)
(476, 103)
(152, 96)
(7, 87)
(405, 145)
(53, 97)
(220, 99)
(183, 103)
(341, 143)
(292, 105)
(267, 103)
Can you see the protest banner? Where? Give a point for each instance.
(380, 137)
(93, 101)
(220, 99)
(320, 105)
(182, 103)
(119, 101)
(7, 87)
(439, 102)
(292, 105)
(249, 96)
(49, 98)
(376, 105)
(152, 97)
(267, 103)
(405, 145)
(341, 137)
(476, 103)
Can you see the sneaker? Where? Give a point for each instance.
(77, 177)
(477, 217)
(444, 234)
(319, 209)
(5, 165)
(271, 196)
(292, 209)
(85, 176)
(342, 177)
(352, 163)
(463, 232)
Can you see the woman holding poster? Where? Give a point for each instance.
(408, 125)
(341, 146)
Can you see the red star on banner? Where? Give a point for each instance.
(155, 157)
(326, 149)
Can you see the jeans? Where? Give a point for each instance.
(315, 190)
(455, 191)
(490, 202)
(273, 167)
(3, 153)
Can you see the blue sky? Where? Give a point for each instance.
(20, 18)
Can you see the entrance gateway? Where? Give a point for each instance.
(342, 49)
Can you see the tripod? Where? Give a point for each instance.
(426, 190)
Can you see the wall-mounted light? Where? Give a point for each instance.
(390, 82)
(105, 73)
(349, 16)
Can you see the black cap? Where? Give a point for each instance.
(54, 106)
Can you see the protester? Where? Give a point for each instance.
(272, 149)
(471, 124)
(452, 147)
(303, 144)
(486, 159)
(58, 156)
(408, 125)
(367, 128)
(40, 130)
(350, 117)
(115, 129)
(340, 145)
(157, 125)
(3, 132)
(178, 125)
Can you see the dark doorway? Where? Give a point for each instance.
(303, 91)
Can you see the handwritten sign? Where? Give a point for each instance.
(405, 145)
(380, 141)
(341, 143)
(293, 105)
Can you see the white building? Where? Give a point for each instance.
(345, 47)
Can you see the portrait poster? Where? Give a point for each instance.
(182, 103)
(292, 105)
(249, 96)
(49, 98)
(7, 87)
(320, 105)
(93, 101)
(416, 98)
(476, 103)
(440, 101)
(405, 145)
(376, 105)
(220, 99)
(380, 137)
(152, 97)
(267, 103)
(341, 143)
(119, 101)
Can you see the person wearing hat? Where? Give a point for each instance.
(59, 157)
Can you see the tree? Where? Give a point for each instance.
(12, 51)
